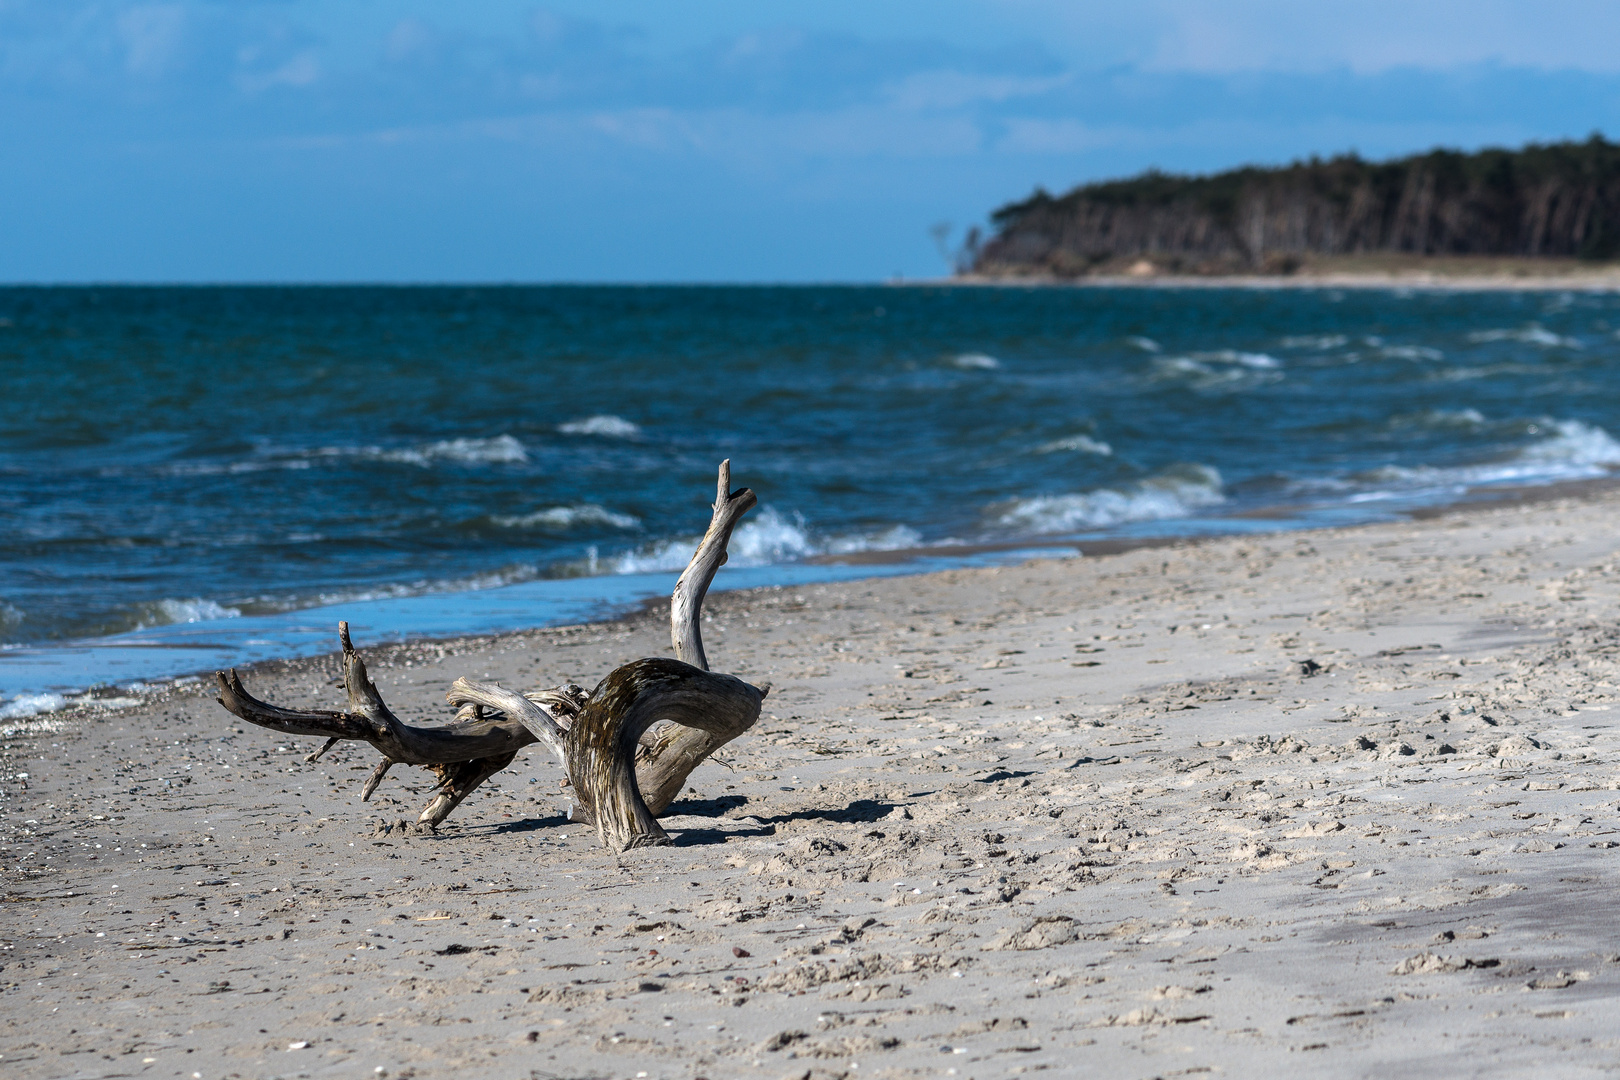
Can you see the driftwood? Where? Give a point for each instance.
(624, 773)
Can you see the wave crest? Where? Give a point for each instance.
(1530, 334)
(605, 425)
(766, 539)
(1223, 369)
(1569, 450)
(1410, 352)
(1442, 419)
(25, 705)
(169, 612)
(974, 361)
(499, 450)
(563, 518)
(1176, 492)
(1574, 443)
(495, 450)
(1080, 444)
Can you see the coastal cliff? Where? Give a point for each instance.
(1555, 201)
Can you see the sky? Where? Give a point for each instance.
(650, 141)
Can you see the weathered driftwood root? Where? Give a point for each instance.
(624, 774)
(603, 743)
(462, 755)
(623, 787)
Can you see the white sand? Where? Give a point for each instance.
(1087, 817)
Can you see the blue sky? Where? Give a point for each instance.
(632, 140)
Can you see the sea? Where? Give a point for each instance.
(199, 477)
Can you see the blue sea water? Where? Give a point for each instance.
(191, 477)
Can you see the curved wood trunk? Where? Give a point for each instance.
(602, 745)
(623, 777)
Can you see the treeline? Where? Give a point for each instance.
(1555, 200)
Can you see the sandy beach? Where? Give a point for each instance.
(1372, 270)
(1465, 279)
(1336, 803)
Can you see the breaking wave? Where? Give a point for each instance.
(1263, 361)
(1223, 369)
(31, 712)
(496, 450)
(500, 450)
(1176, 492)
(1531, 334)
(1567, 450)
(1080, 444)
(1441, 419)
(606, 426)
(975, 362)
(764, 540)
(563, 518)
(169, 612)
(1411, 352)
(1574, 444)
(24, 705)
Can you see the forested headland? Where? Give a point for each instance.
(1558, 201)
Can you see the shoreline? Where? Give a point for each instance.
(909, 562)
(1601, 282)
(1215, 806)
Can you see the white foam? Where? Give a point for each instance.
(1576, 444)
(32, 711)
(1224, 369)
(1082, 444)
(495, 450)
(1441, 418)
(1146, 344)
(1411, 352)
(1314, 341)
(560, 518)
(30, 705)
(1463, 374)
(1174, 493)
(1260, 360)
(1531, 334)
(976, 362)
(237, 468)
(766, 539)
(499, 450)
(606, 425)
(896, 538)
(1568, 450)
(760, 540)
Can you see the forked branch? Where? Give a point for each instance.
(686, 605)
(622, 776)
(370, 720)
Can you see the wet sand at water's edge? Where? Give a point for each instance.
(1337, 803)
